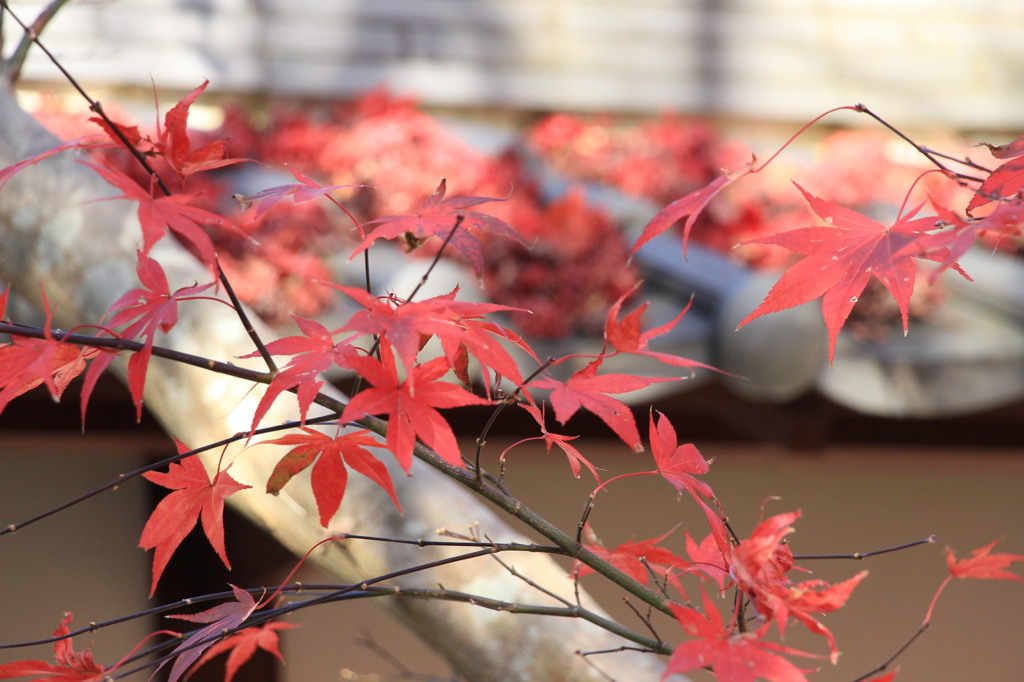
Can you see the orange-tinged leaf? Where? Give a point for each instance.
(130, 133)
(760, 565)
(176, 147)
(329, 476)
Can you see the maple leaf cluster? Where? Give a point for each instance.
(757, 567)
(572, 271)
(385, 344)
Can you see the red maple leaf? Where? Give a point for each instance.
(680, 465)
(195, 498)
(242, 646)
(733, 657)
(20, 360)
(1004, 182)
(761, 559)
(221, 619)
(478, 340)
(315, 352)
(27, 362)
(946, 246)
(983, 565)
(627, 557)
(130, 133)
(71, 666)
(689, 207)
(841, 258)
(760, 564)
(457, 324)
(438, 217)
(706, 557)
(625, 336)
(804, 599)
(329, 475)
(411, 404)
(575, 457)
(306, 189)
(10, 171)
(586, 388)
(174, 213)
(146, 310)
(176, 147)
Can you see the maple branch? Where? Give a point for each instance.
(217, 366)
(923, 151)
(94, 105)
(370, 588)
(117, 343)
(374, 349)
(798, 133)
(437, 257)
(513, 398)
(885, 665)
(122, 478)
(33, 37)
(964, 161)
(11, 67)
(864, 555)
(514, 507)
(243, 317)
(582, 523)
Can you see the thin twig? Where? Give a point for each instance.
(863, 555)
(13, 64)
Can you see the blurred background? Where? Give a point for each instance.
(594, 114)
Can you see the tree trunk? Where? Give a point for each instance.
(84, 256)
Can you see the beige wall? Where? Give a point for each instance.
(917, 62)
(85, 560)
(852, 500)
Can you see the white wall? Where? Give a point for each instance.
(924, 62)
